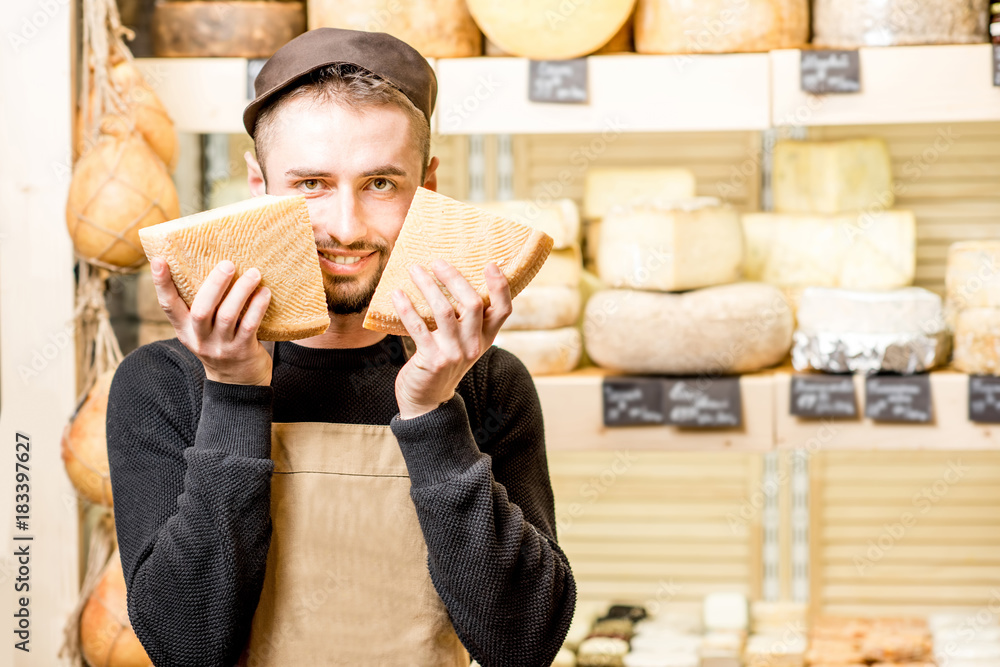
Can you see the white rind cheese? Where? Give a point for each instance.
(669, 248)
(729, 329)
(849, 24)
(562, 268)
(858, 251)
(560, 218)
(832, 176)
(973, 276)
(544, 352)
(909, 310)
(977, 341)
(607, 187)
(544, 308)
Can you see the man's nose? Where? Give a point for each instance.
(342, 217)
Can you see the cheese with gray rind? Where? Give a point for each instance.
(977, 341)
(545, 352)
(539, 307)
(729, 329)
(832, 176)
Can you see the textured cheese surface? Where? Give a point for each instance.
(607, 187)
(544, 352)
(849, 24)
(977, 341)
(910, 310)
(728, 329)
(550, 29)
(868, 252)
(973, 276)
(832, 176)
(657, 248)
(539, 307)
(720, 26)
(560, 219)
(270, 233)
(438, 227)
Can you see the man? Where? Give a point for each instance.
(349, 501)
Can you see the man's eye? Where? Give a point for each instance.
(310, 184)
(381, 184)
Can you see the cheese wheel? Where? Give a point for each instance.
(550, 29)
(864, 252)
(435, 28)
(622, 42)
(232, 29)
(832, 176)
(562, 268)
(544, 352)
(85, 445)
(849, 24)
(118, 188)
(973, 276)
(106, 636)
(729, 329)
(544, 308)
(720, 26)
(559, 218)
(977, 341)
(607, 187)
(678, 246)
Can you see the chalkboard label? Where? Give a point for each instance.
(253, 69)
(823, 396)
(905, 398)
(984, 399)
(563, 81)
(703, 403)
(632, 401)
(996, 64)
(829, 71)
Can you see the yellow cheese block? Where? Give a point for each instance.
(832, 176)
(607, 187)
(438, 227)
(270, 233)
(977, 341)
(560, 219)
(973, 277)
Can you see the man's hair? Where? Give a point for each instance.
(351, 86)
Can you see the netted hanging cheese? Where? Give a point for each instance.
(550, 29)
(562, 268)
(270, 233)
(720, 26)
(118, 188)
(544, 352)
(545, 307)
(559, 218)
(607, 187)
(865, 252)
(468, 238)
(435, 28)
(106, 636)
(977, 341)
(849, 24)
(973, 276)
(728, 329)
(85, 445)
(832, 176)
(677, 246)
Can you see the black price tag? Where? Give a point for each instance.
(905, 398)
(563, 81)
(632, 401)
(830, 71)
(823, 396)
(703, 403)
(996, 64)
(984, 399)
(254, 66)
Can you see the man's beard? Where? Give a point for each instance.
(348, 295)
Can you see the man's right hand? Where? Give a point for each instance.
(212, 328)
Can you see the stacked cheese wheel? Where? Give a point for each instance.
(655, 243)
(234, 29)
(542, 330)
(849, 24)
(973, 305)
(833, 227)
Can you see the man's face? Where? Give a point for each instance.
(359, 170)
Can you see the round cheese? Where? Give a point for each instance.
(977, 341)
(240, 29)
(720, 26)
(106, 636)
(677, 246)
(550, 29)
(539, 307)
(85, 445)
(544, 352)
(848, 24)
(973, 276)
(730, 329)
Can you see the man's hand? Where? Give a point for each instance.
(444, 356)
(212, 329)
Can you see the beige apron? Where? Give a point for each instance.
(347, 580)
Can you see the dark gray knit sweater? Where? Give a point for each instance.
(191, 471)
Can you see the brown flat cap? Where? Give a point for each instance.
(390, 58)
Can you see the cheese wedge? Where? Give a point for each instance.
(560, 218)
(438, 227)
(270, 233)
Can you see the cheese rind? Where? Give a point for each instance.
(849, 24)
(560, 219)
(544, 352)
(973, 276)
(270, 233)
(856, 251)
(977, 341)
(728, 329)
(607, 187)
(694, 243)
(544, 307)
(832, 176)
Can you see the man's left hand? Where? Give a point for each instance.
(444, 356)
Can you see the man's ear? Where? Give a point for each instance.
(431, 178)
(255, 177)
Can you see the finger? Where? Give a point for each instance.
(250, 322)
(500, 306)
(228, 314)
(206, 301)
(415, 325)
(444, 312)
(166, 294)
(471, 318)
